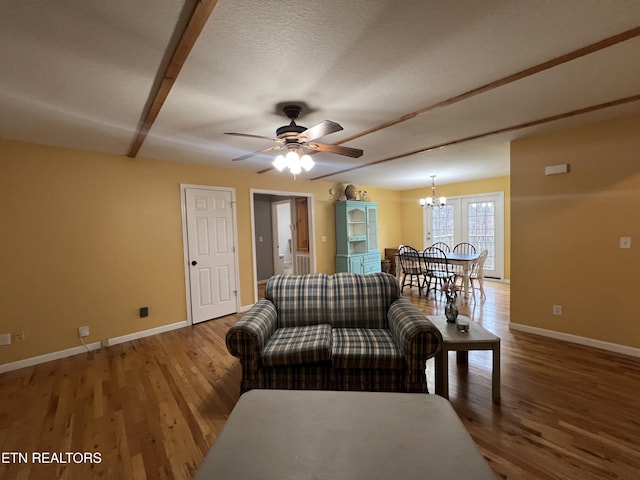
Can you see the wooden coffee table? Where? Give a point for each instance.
(477, 338)
(298, 434)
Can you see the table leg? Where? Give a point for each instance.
(442, 373)
(495, 378)
(462, 357)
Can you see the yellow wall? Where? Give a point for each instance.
(412, 224)
(566, 229)
(88, 238)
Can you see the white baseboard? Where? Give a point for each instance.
(567, 337)
(48, 357)
(246, 308)
(144, 333)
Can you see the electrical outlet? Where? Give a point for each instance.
(557, 309)
(625, 242)
(19, 337)
(83, 331)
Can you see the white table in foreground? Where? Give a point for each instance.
(477, 338)
(298, 434)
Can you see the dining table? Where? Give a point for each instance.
(464, 260)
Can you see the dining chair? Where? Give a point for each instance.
(436, 268)
(477, 274)
(411, 267)
(464, 247)
(442, 246)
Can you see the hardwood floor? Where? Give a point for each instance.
(153, 407)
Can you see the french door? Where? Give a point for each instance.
(477, 219)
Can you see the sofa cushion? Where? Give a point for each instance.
(300, 300)
(298, 346)
(362, 301)
(365, 348)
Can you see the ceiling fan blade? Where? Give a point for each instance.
(262, 137)
(253, 154)
(320, 130)
(339, 149)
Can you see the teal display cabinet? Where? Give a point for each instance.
(357, 237)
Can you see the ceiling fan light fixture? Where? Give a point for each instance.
(280, 163)
(295, 169)
(292, 158)
(307, 162)
(295, 161)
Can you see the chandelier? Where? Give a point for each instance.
(295, 160)
(433, 201)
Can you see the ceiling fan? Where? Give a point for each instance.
(295, 137)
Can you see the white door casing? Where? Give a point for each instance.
(210, 252)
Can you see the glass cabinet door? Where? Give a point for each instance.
(372, 228)
(356, 230)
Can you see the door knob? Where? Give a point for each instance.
(194, 263)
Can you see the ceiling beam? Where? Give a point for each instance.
(533, 123)
(568, 57)
(554, 62)
(192, 30)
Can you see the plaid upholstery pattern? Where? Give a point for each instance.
(299, 299)
(248, 336)
(385, 349)
(298, 346)
(417, 338)
(362, 300)
(365, 348)
(372, 380)
(299, 377)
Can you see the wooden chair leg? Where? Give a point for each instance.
(483, 296)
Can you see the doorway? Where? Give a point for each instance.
(477, 219)
(282, 225)
(282, 239)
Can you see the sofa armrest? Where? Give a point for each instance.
(249, 335)
(415, 335)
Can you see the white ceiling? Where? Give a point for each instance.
(78, 73)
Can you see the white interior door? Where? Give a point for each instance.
(211, 253)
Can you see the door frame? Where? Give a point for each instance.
(185, 242)
(312, 240)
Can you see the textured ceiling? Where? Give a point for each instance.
(81, 73)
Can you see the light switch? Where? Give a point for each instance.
(260, 239)
(625, 242)
(324, 238)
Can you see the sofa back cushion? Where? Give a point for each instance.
(362, 300)
(300, 300)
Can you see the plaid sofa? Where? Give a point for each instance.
(334, 332)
